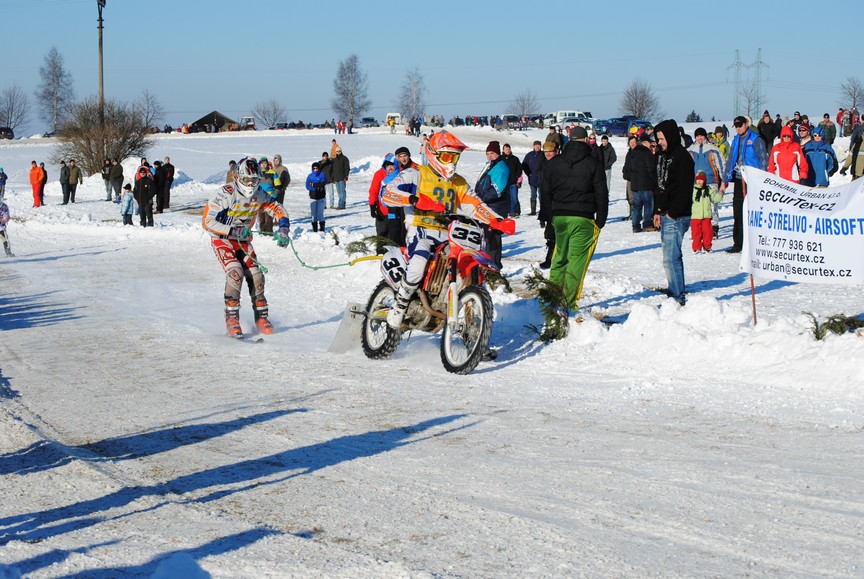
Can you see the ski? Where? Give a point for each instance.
(247, 339)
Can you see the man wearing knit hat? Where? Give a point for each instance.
(575, 196)
(491, 188)
(767, 130)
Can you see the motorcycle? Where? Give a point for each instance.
(452, 299)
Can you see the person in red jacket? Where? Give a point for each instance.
(36, 175)
(377, 209)
(787, 159)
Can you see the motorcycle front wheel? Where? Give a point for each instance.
(463, 347)
(378, 339)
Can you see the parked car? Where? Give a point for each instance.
(619, 126)
(577, 121)
(6, 133)
(511, 121)
(368, 122)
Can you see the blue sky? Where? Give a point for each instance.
(200, 55)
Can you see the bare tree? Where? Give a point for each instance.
(748, 99)
(524, 104)
(639, 99)
(14, 107)
(81, 136)
(270, 112)
(350, 85)
(150, 109)
(851, 93)
(54, 93)
(412, 97)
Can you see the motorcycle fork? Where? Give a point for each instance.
(453, 296)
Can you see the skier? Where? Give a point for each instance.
(229, 218)
(425, 192)
(4, 219)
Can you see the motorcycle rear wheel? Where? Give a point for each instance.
(462, 350)
(378, 339)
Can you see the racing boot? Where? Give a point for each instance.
(400, 305)
(260, 307)
(232, 318)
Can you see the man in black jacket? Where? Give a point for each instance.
(640, 168)
(574, 194)
(675, 172)
(767, 130)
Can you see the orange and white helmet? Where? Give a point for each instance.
(442, 153)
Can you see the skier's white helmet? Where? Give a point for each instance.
(247, 175)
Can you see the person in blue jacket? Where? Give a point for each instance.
(316, 184)
(821, 158)
(492, 190)
(747, 150)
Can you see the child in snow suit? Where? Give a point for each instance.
(4, 219)
(229, 218)
(128, 206)
(704, 199)
(316, 184)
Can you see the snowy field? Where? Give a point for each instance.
(136, 439)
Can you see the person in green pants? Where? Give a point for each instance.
(575, 193)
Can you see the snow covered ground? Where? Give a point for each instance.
(136, 439)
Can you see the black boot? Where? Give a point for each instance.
(321, 226)
(534, 208)
(315, 227)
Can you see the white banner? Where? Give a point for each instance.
(803, 234)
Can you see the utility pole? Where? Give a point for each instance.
(759, 65)
(737, 65)
(100, 4)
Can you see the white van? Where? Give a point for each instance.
(558, 116)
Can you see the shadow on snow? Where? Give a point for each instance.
(217, 482)
(45, 454)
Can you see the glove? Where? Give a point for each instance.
(241, 232)
(427, 204)
(505, 226)
(542, 224)
(281, 236)
(373, 210)
(843, 171)
(519, 182)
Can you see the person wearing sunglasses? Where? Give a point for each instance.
(747, 150)
(426, 192)
(787, 160)
(821, 158)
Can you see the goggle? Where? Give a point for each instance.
(447, 157)
(249, 181)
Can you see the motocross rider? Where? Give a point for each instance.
(425, 192)
(229, 218)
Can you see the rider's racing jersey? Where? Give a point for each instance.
(229, 208)
(455, 195)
